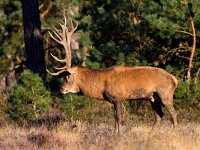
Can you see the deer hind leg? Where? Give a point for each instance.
(156, 105)
(168, 103)
(173, 114)
(123, 113)
(118, 115)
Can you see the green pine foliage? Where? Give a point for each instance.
(181, 91)
(108, 23)
(171, 24)
(3, 103)
(11, 35)
(29, 99)
(187, 95)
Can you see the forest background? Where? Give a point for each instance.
(164, 34)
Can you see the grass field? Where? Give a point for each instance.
(91, 136)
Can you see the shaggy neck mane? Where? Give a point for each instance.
(89, 75)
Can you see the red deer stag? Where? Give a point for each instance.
(116, 84)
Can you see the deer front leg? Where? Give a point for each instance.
(118, 115)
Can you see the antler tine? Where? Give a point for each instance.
(65, 21)
(60, 68)
(72, 25)
(57, 59)
(57, 73)
(65, 44)
(59, 41)
(57, 30)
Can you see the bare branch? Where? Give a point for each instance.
(184, 32)
(47, 9)
(181, 49)
(184, 57)
(186, 50)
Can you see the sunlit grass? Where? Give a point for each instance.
(83, 135)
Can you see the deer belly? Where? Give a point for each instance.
(139, 93)
(93, 94)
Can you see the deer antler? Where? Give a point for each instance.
(64, 37)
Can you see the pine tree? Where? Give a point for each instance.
(176, 20)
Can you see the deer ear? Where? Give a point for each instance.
(72, 70)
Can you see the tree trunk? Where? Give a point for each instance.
(34, 49)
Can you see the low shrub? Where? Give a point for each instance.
(78, 107)
(29, 99)
(187, 94)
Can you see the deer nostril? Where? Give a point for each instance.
(63, 91)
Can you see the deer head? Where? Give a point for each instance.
(64, 37)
